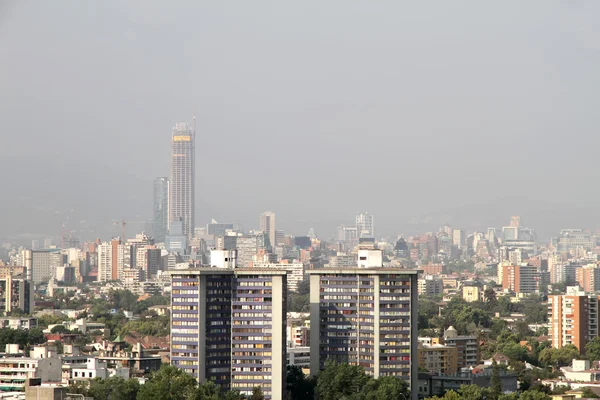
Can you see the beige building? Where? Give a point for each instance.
(439, 359)
(472, 293)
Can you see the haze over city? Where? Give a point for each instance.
(462, 113)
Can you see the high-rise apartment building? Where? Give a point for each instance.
(230, 326)
(365, 225)
(430, 285)
(113, 258)
(183, 174)
(16, 293)
(161, 208)
(247, 247)
(267, 225)
(588, 277)
(520, 278)
(573, 318)
(365, 317)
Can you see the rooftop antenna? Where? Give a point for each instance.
(194, 127)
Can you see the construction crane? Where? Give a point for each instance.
(123, 224)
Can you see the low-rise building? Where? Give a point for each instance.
(467, 347)
(18, 322)
(299, 356)
(14, 371)
(438, 359)
(580, 371)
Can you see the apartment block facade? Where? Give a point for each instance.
(230, 326)
(520, 278)
(574, 318)
(366, 317)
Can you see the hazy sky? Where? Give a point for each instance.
(419, 112)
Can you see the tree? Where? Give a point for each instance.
(588, 393)
(496, 382)
(59, 329)
(257, 394)
(298, 385)
(207, 390)
(473, 392)
(113, 388)
(386, 388)
(489, 295)
(592, 349)
(304, 287)
(558, 357)
(168, 383)
(338, 381)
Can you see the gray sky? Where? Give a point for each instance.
(421, 113)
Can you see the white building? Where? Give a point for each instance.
(15, 370)
(295, 272)
(370, 258)
(223, 258)
(299, 356)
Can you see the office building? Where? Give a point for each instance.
(467, 347)
(365, 225)
(183, 175)
(267, 226)
(217, 229)
(459, 238)
(230, 326)
(573, 318)
(571, 239)
(176, 241)
(365, 317)
(42, 263)
(520, 278)
(347, 233)
(161, 209)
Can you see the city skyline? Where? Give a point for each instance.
(407, 100)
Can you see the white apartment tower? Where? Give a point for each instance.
(182, 184)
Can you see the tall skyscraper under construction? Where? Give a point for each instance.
(183, 175)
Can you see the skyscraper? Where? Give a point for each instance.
(182, 184)
(365, 225)
(267, 225)
(161, 208)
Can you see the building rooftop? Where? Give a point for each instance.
(364, 271)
